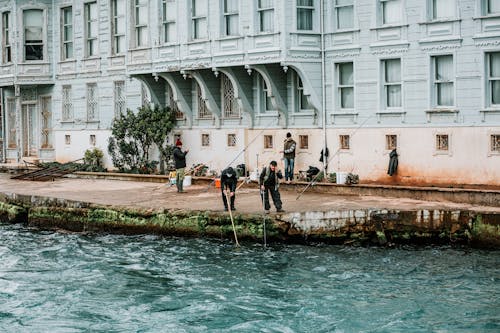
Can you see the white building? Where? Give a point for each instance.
(359, 76)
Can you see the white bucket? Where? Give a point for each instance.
(341, 177)
(186, 181)
(254, 175)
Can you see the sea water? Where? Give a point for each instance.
(57, 282)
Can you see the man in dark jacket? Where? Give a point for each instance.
(180, 164)
(228, 181)
(269, 183)
(289, 156)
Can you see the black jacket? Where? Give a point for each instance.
(179, 158)
(393, 163)
(270, 178)
(228, 179)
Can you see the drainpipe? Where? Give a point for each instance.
(4, 135)
(323, 85)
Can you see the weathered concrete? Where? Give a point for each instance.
(131, 207)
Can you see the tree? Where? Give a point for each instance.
(133, 135)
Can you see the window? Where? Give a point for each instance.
(6, 47)
(442, 9)
(199, 19)
(91, 28)
(231, 17)
(304, 141)
(305, 10)
(265, 12)
(141, 22)
(345, 84)
(303, 104)
(344, 14)
(391, 142)
(67, 32)
(231, 140)
(344, 142)
(33, 34)
(443, 80)
(491, 7)
(203, 112)
(145, 96)
(172, 104)
(92, 102)
(46, 126)
(67, 107)
(442, 142)
(169, 15)
(268, 141)
(92, 140)
(392, 83)
(119, 98)
(118, 26)
(205, 140)
(67, 139)
(495, 143)
(11, 123)
(493, 77)
(266, 104)
(229, 103)
(390, 11)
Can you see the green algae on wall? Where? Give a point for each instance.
(486, 231)
(10, 213)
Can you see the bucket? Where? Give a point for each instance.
(217, 182)
(341, 177)
(187, 181)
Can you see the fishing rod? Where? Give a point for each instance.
(232, 220)
(265, 218)
(245, 148)
(328, 161)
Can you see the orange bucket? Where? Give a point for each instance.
(217, 182)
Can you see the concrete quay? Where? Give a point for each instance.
(318, 215)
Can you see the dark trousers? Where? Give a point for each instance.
(275, 194)
(230, 198)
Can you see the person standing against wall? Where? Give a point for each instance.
(269, 183)
(289, 156)
(180, 164)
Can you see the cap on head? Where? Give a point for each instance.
(288, 135)
(273, 163)
(178, 142)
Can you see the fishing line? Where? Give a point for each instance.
(328, 161)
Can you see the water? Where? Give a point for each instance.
(54, 282)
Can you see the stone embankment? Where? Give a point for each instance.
(92, 205)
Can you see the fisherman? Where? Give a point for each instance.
(269, 183)
(228, 181)
(289, 156)
(180, 164)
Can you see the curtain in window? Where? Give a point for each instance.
(345, 15)
(33, 25)
(443, 8)
(391, 10)
(495, 77)
(199, 7)
(444, 76)
(393, 81)
(346, 74)
(493, 7)
(266, 20)
(346, 78)
(304, 14)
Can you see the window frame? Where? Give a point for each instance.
(337, 8)
(310, 10)
(117, 19)
(196, 33)
(168, 26)
(67, 103)
(268, 141)
(381, 10)
(344, 142)
(228, 16)
(339, 87)
(66, 41)
(432, 12)
(140, 27)
(386, 84)
(92, 102)
(489, 79)
(232, 140)
(119, 98)
(486, 8)
(206, 140)
(437, 83)
(262, 11)
(6, 40)
(43, 41)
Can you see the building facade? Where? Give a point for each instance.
(360, 77)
